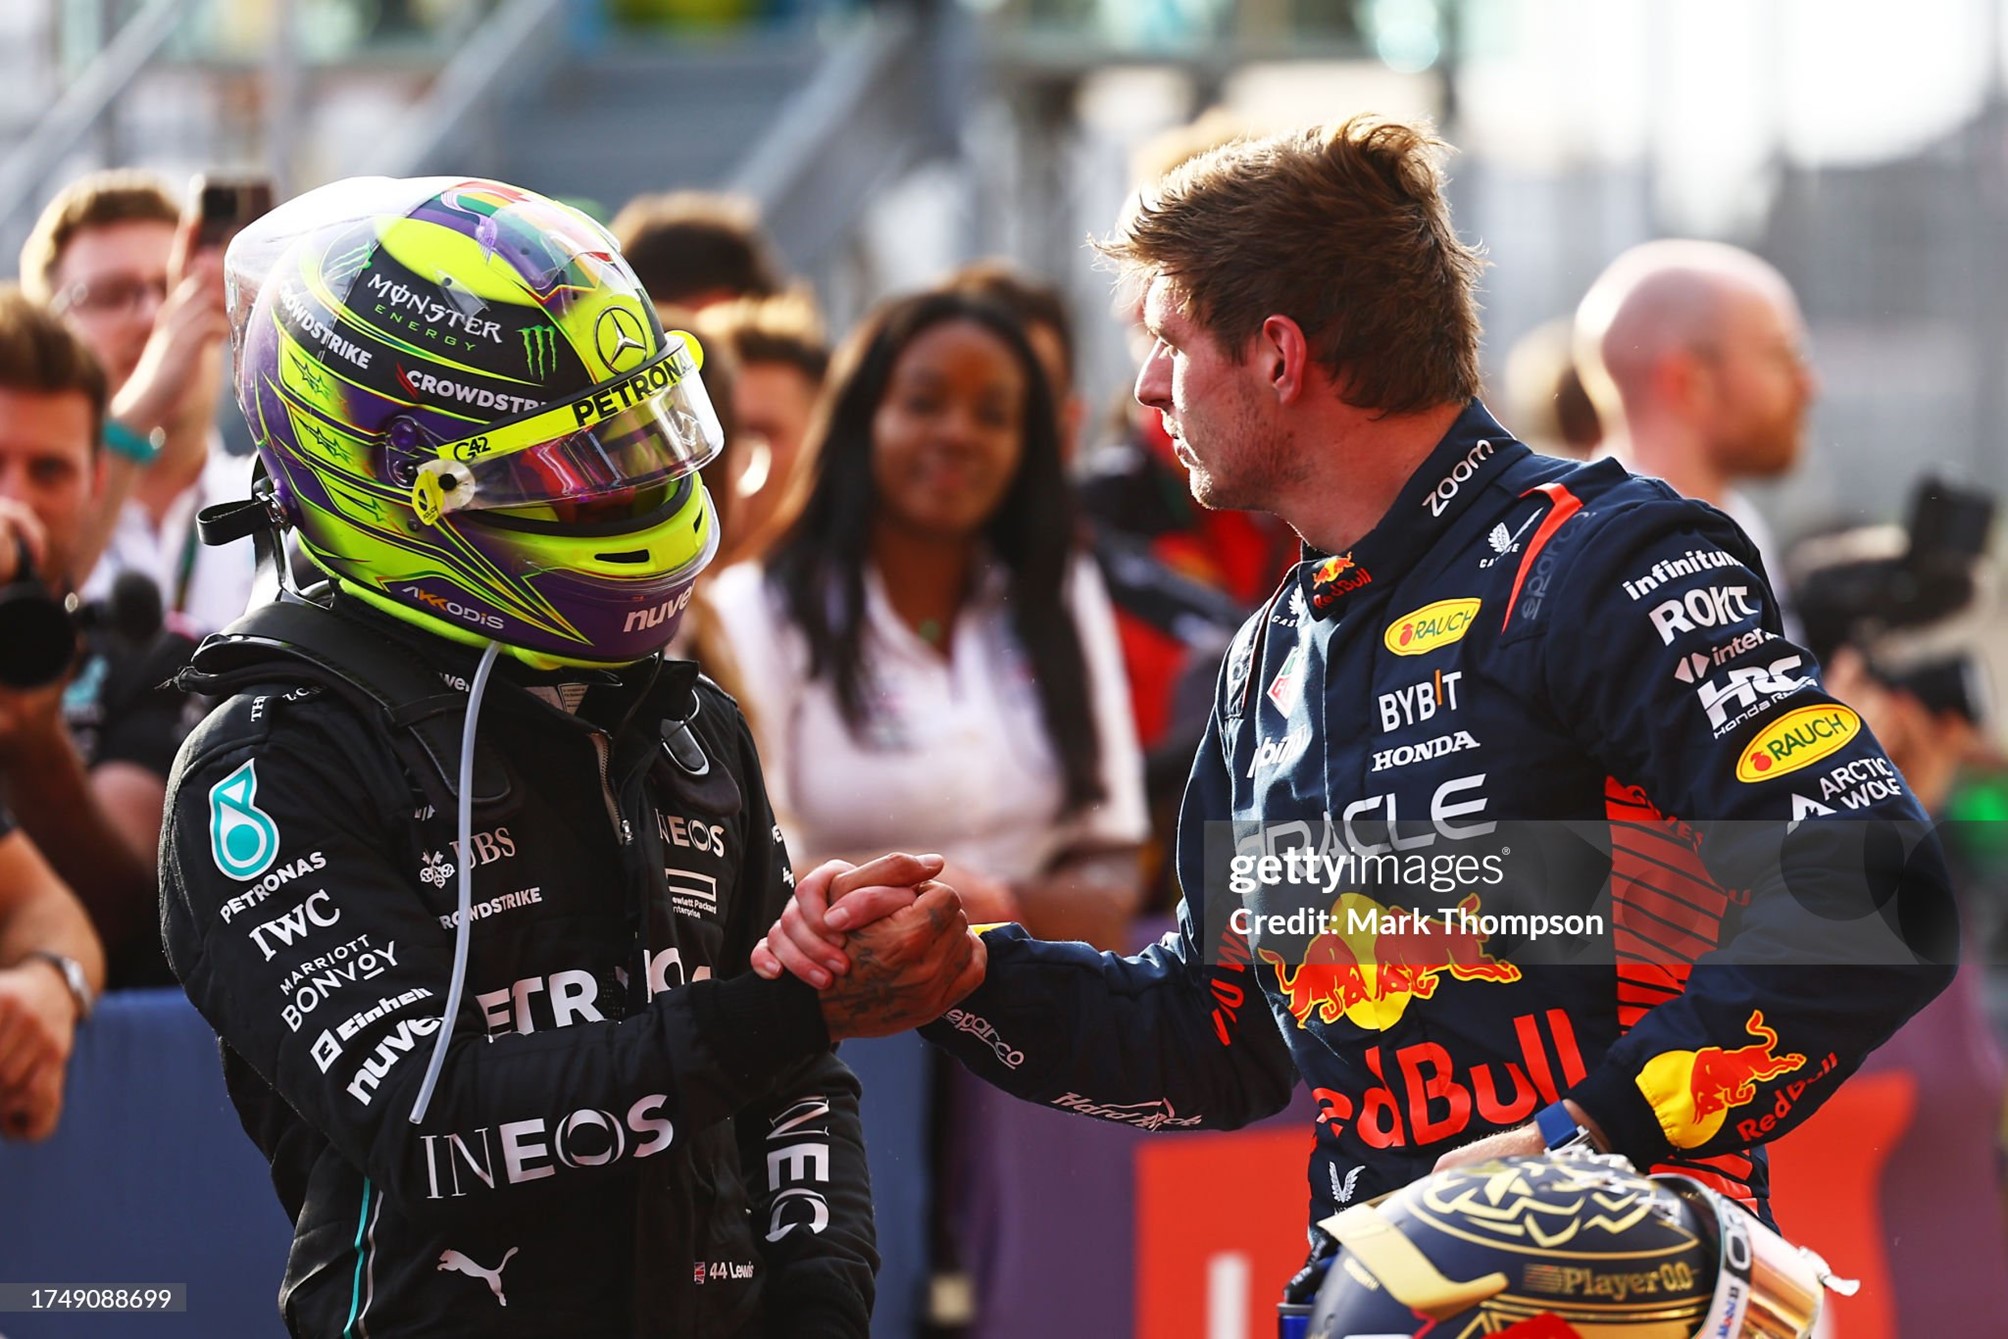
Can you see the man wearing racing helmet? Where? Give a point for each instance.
(480, 979)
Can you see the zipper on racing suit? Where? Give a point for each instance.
(601, 749)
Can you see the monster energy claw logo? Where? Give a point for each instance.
(340, 269)
(540, 349)
(242, 837)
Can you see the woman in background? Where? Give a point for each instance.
(929, 659)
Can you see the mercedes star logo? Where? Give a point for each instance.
(619, 337)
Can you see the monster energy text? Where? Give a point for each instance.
(418, 313)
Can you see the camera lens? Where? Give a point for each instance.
(36, 640)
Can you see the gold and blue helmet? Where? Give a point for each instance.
(1564, 1247)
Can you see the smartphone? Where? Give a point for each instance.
(224, 205)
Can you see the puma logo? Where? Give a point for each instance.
(460, 1264)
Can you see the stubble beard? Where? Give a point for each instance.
(1767, 450)
(1205, 488)
(1266, 469)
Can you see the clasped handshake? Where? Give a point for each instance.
(885, 944)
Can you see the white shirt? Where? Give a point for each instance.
(957, 759)
(218, 579)
(1738, 507)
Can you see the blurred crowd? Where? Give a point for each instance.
(964, 610)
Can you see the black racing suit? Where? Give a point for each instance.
(632, 1134)
(1523, 652)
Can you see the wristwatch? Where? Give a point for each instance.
(1560, 1130)
(73, 977)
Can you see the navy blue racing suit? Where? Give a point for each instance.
(1524, 653)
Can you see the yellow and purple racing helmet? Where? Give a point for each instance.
(472, 416)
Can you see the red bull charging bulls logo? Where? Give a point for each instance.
(1335, 577)
(1693, 1092)
(1370, 961)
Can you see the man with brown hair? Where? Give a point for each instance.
(695, 248)
(83, 759)
(1185, 575)
(113, 255)
(51, 966)
(1481, 776)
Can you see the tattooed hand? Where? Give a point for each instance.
(836, 896)
(906, 969)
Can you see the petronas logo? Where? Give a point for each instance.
(242, 837)
(540, 350)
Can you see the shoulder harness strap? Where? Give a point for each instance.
(298, 640)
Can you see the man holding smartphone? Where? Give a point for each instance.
(140, 280)
(84, 762)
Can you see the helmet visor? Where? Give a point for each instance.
(613, 453)
(1767, 1288)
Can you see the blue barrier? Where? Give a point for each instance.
(149, 1179)
(895, 1072)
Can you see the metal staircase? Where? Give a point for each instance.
(809, 117)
